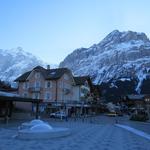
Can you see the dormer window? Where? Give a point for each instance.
(53, 73)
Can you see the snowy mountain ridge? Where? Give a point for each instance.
(14, 62)
(119, 56)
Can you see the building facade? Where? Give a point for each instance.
(54, 86)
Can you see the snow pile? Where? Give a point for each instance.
(8, 94)
(135, 131)
(38, 129)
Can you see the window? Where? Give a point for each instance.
(86, 84)
(36, 96)
(47, 96)
(60, 84)
(66, 77)
(37, 84)
(25, 95)
(37, 75)
(147, 99)
(48, 84)
(25, 85)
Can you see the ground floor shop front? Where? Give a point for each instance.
(70, 109)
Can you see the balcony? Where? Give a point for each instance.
(35, 89)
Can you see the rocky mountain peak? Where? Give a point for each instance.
(116, 37)
(119, 56)
(16, 61)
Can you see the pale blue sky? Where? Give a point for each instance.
(51, 29)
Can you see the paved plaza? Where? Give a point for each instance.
(99, 133)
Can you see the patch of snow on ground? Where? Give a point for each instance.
(135, 131)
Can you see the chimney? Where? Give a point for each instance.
(48, 67)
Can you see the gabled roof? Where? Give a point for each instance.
(147, 96)
(81, 80)
(23, 77)
(135, 97)
(6, 87)
(54, 74)
(48, 74)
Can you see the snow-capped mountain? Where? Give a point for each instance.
(123, 56)
(14, 62)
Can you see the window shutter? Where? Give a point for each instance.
(45, 84)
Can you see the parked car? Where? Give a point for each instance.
(112, 114)
(58, 114)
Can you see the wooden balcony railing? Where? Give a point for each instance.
(35, 89)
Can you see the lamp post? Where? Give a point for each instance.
(37, 110)
(83, 111)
